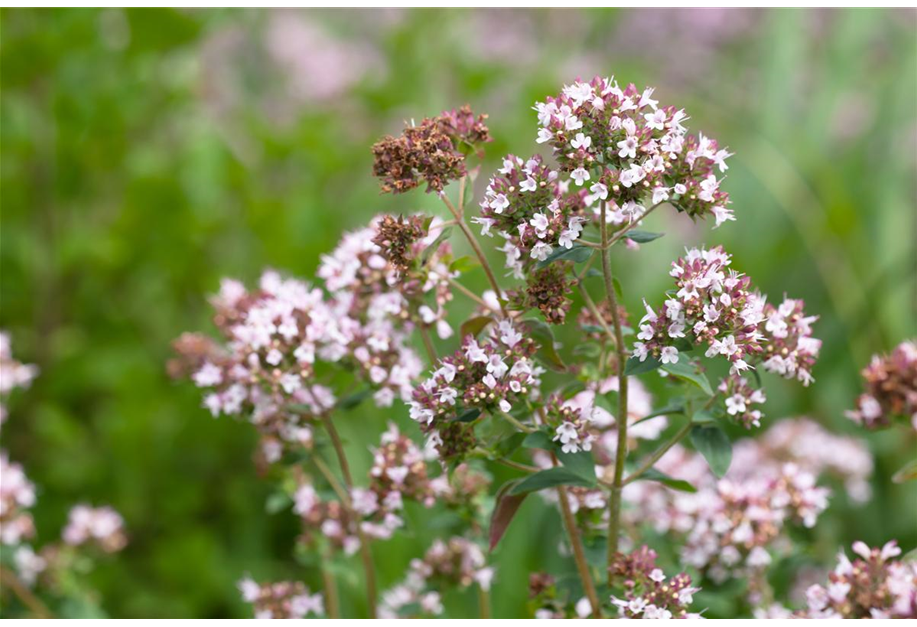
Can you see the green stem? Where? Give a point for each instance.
(483, 602)
(365, 553)
(614, 507)
(662, 450)
(582, 566)
(459, 219)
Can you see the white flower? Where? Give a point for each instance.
(600, 190)
(499, 203)
(528, 185)
(208, 376)
(628, 148)
(539, 222)
(583, 608)
(669, 355)
(655, 120)
(735, 404)
(249, 589)
(579, 175)
(541, 250)
(722, 214)
(581, 141)
(660, 194)
(544, 135)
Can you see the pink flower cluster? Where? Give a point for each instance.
(713, 305)
(790, 350)
(740, 398)
(717, 307)
(735, 524)
(636, 147)
(13, 374)
(276, 334)
(874, 585)
(366, 286)
(454, 562)
(282, 599)
(891, 388)
(531, 208)
(399, 473)
(101, 526)
(492, 375)
(596, 427)
(17, 494)
(648, 593)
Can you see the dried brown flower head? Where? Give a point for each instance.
(396, 236)
(432, 153)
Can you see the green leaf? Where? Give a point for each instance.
(464, 264)
(429, 250)
(582, 463)
(634, 366)
(593, 272)
(908, 472)
(587, 350)
(473, 326)
(703, 417)
(277, 502)
(538, 439)
(352, 400)
(469, 415)
(676, 484)
(541, 333)
(687, 371)
(675, 407)
(506, 446)
(577, 254)
(505, 509)
(550, 478)
(617, 285)
(714, 445)
(642, 237)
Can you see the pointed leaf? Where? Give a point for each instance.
(277, 502)
(429, 250)
(541, 333)
(687, 371)
(582, 463)
(676, 484)
(507, 446)
(538, 439)
(577, 254)
(714, 445)
(634, 366)
(469, 415)
(352, 400)
(703, 417)
(550, 478)
(464, 264)
(675, 407)
(908, 472)
(642, 237)
(505, 509)
(617, 285)
(473, 326)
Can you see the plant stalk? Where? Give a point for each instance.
(614, 506)
(365, 552)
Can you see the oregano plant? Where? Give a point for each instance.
(576, 423)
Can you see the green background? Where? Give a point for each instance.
(147, 153)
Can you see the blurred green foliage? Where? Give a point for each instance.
(147, 153)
